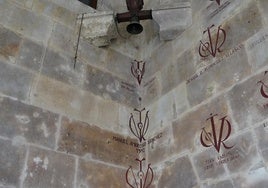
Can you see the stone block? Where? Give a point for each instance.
(172, 177)
(94, 143)
(248, 21)
(29, 24)
(61, 67)
(63, 39)
(160, 57)
(180, 97)
(6, 10)
(22, 122)
(120, 65)
(30, 55)
(263, 5)
(172, 19)
(66, 100)
(206, 167)
(256, 52)
(188, 128)
(161, 111)
(56, 12)
(256, 177)
(244, 153)
(9, 45)
(99, 28)
(161, 146)
(87, 53)
(151, 89)
(218, 75)
(47, 168)
(15, 81)
(221, 184)
(110, 87)
(11, 163)
(93, 174)
(262, 135)
(247, 103)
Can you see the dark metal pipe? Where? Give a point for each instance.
(126, 16)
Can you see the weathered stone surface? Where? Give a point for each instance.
(92, 142)
(256, 177)
(110, 87)
(247, 22)
(9, 45)
(94, 174)
(161, 112)
(206, 167)
(255, 47)
(244, 153)
(64, 39)
(187, 129)
(87, 53)
(99, 28)
(14, 81)
(161, 146)
(247, 103)
(11, 163)
(75, 103)
(172, 19)
(34, 26)
(49, 169)
(220, 74)
(55, 11)
(30, 55)
(151, 89)
(6, 9)
(184, 178)
(25, 123)
(180, 97)
(61, 67)
(262, 135)
(265, 156)
(120, 65)
(221, 184)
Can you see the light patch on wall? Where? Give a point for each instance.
(44, 129)
(23, 119)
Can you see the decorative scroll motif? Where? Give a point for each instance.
(217, 136)
(139, 129)
(137, 70)
(142, 179)
(212, 47)
(264, 87)
(218, 1)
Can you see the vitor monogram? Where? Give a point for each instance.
(216, 137)
(264, 87)
(212, 47)
(143, 179)
(140, 128)
(137, 70)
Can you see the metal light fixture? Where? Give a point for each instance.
(134, 16)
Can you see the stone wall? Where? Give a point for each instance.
(212, 111)
(62, 126)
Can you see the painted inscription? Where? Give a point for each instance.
(139, 128)
(217, 135)
(140, 147)
(211, 47)
(218, 10)
(220, 160)
(143, 179)
(218, 61)
(137, 70)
